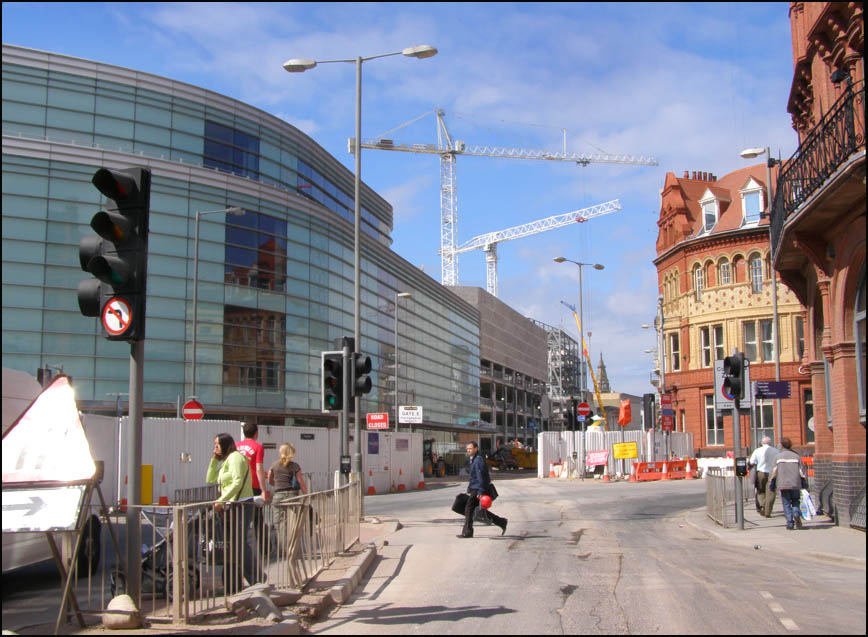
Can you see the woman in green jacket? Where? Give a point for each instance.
(236, 485)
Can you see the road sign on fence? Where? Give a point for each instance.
(377, 421)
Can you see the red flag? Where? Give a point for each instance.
(625, 415)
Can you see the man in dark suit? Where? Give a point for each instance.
(478, 486)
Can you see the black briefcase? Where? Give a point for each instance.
(460, 503)
(492, 492)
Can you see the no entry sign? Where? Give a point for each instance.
(584, 409)
(193, 410)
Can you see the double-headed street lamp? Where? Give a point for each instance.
(751, 153)
(582, 375)
(299, 65)
(234, 210)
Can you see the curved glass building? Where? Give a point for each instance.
(275, 282)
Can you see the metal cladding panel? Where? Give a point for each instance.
(316, 448)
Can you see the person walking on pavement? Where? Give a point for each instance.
(255, 455)
(285, 475)
(763, 460)
(233, 478)
(789, 476)
(478, 486)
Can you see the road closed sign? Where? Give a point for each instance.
(377, 421)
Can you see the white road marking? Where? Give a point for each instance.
(789, 624)
(766, 594)
(776, 608)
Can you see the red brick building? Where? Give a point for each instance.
(714, 271)
(818, 238)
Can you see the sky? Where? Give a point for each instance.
(690, 84)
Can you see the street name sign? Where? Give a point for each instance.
(772, 389)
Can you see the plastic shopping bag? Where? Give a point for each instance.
(806, 505)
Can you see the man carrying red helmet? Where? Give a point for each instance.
(478, 486)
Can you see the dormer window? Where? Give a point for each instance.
(709, 214)
(751, 202)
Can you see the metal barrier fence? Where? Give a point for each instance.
(284, 543)
(720, 494)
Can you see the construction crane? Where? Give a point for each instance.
(449, 149)
(590, 365)
(488, 242)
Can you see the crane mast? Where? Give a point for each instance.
(449, 149)
(488, 241)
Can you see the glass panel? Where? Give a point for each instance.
(750, 344)
(809, 416)
(768, 343)
(752, 206)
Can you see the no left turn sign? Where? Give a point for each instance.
(117, 316)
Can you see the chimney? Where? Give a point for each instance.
(694, 175)
(686, 174)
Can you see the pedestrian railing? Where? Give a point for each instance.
(194, 558)
(720, 495)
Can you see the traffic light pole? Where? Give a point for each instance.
(739, 483)
(345, 421)
(134, 470)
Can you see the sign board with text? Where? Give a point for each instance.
(597, 458)
(410, 415)
(377, 421)
(625, 450)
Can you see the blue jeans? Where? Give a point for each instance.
(790, 498)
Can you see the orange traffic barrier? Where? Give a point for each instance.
(677, 469)
(808, 461)
(648, 471)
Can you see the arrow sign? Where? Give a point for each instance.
(35, 505)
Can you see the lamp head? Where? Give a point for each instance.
(299, 65)
(598, 266)
(750, 153)
(421, 51)
(559, 259)
(404, 295)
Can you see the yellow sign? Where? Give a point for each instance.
(624, 450)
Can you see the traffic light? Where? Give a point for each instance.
(361, 382)
(332, 381)
(733, 375)
(648, 408)
(574, 413)
(118, 257)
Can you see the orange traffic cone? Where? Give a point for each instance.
(633, 477)
(401, 486)
(691, 472)
(605, 477)
(164, 493)
(124, 500)
(421, 479)
(371, 489)
(551, 469)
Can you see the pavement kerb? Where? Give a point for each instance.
(698, 519)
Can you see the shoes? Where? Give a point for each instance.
(503, 526)
(761, 511)
(798, 522)
(461, 535)
(789, 528)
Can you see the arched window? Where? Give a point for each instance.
(723, 273)
(698, 280)
(756, 272)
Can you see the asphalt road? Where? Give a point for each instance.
(586, 558)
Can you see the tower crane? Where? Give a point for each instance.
(488, 242)
(449, 149)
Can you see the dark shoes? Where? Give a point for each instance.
(461, 535)
(503, 526)
(798, 522)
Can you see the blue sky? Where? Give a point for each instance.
(690, 84)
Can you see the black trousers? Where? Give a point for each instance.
(469, 509)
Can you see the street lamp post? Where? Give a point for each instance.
(750, 153)
(233, 210)
(299, 65)
(582, 376)
(661, 353)
(398, 295)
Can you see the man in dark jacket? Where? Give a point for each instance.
(478, 486)
(787, 476)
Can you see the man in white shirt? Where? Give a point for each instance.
(763, 460)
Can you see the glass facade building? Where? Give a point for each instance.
(275, 283)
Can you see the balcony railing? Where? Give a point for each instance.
(840, 134)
